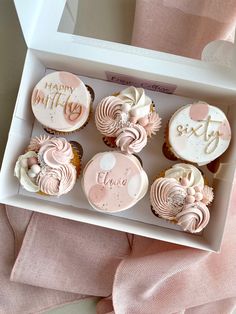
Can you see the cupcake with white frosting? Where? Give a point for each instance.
(182, 197)
(50, 166)
(127, 120)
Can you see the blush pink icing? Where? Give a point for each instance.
(225, 130)
(199, 111)
(131, 139)
(73, 112)
(167, 197)
(194, 217)
(107, 115)
(153, 125)
(56, 152)
(208, 195)
(37, 142)
(69, 79)
(57, 181)
(113, 181)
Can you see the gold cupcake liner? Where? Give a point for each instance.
(78, 153)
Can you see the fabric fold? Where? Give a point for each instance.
(69, 256)
(17, 298)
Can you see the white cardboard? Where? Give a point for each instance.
(90, 57)
(138, 219)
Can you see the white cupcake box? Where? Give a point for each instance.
(106, 66)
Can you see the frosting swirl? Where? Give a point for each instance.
(57, 181)
(208, 195)
(136, 103)
(21, 172)
(37, 142)
(193, 217)
(191, 175)
(107, 115)
(56, 152)
(131, 139)
(153, 125)
(167, 197)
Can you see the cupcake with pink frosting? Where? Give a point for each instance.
(182, 197)
(50, 165)
(127, 120)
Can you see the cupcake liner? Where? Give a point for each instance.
(110, 141)
(78, 153)
(173, 221)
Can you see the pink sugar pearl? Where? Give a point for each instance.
(32, 161)
(184, 181)
(198, 196)
(191, 191)
(190, 199)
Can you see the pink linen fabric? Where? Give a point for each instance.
(155, 277)
(182, 27)
(70, 256)
(17, 298)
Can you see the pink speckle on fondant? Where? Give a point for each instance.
(69, 79)
(97, 193)
(199, 111)
(225, 131)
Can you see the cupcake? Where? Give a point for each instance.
(50, 166)
(127, 120)
(114, 182)
(181, 196)
(198, 133)
(61, 102)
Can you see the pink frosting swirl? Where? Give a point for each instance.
(167, 197)
(37, 142)
(208, 195)
(153, 125)
(56, 152)
(194, 217)
(107, 115)
(131, 139)
(57, 181)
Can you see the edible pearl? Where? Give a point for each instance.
(197, 189)
(143, 121)
(126, 107)
(198, 196)
(190, 199)
(32, 161)
(31, 174)
(35, 169)
(191, 191)
(24, 163)
(184, 181)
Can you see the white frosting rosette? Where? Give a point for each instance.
(21, 172)
(190, 174)
(136, 103)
